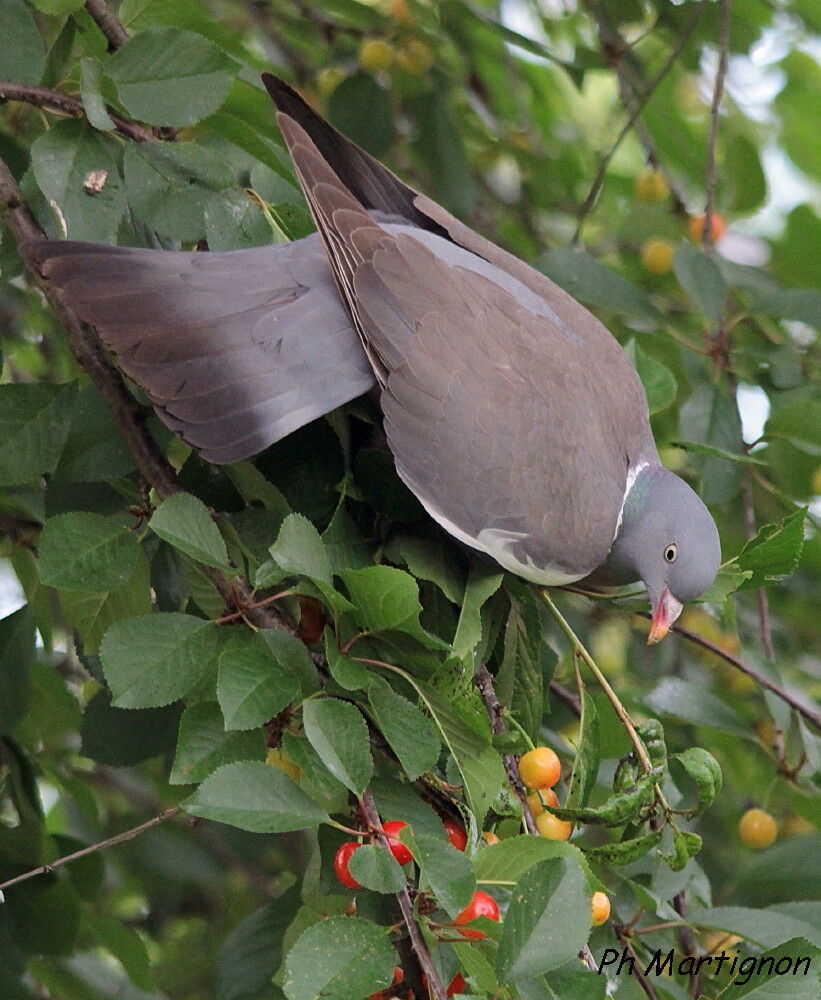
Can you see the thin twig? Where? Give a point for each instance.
(483, 679)
(56, 100)
(435, 986)
(107, 23)
(567, 698)
(649, 992)
(610, 694)
(718, 92)
(748, 509)
(809, 714)
(641, 102)
(687, 941)
(118, 838)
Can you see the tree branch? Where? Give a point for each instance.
(107, 23)
(567, 698)
(435, 986)
(814, 718)
(119, 838)
(641, 101)
(718, 91)
(483, 679)
(55, 100)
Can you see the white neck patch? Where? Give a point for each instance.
(632, 476)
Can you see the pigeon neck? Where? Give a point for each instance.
(619, 568)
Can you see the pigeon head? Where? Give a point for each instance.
(667, 539)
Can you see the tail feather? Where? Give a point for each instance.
(235, 350)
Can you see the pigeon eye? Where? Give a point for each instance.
(671, 552)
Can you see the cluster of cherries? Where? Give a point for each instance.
(480, 905)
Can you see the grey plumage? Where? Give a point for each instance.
(511, 412)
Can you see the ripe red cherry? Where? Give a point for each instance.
(341, 859)
(480, 905)
(398, 849)
(456, 835)
(457, 985)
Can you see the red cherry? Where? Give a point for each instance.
(480, 905)
(398, 849)
(457, 984)
(456, 835)
(341, 859)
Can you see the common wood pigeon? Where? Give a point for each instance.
(511, 412)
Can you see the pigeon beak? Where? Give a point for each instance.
(665, 612)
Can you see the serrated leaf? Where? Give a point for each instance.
(91, 82)
(341, 958)
(520, 679)
(166, 76)
(339, 735)
(710, 417)
(62, 159)
(250, 689)
(774, 552)
(506, 862)
(798, 422)
(728, 580)
(153, 660)
(547, 921)
(482, 584)
(292, 657)
(299, 550)
(203, 745)
(376, 869)
(254, 797)
(387, 598)
(446, 870)
(34, 423)
(801, 979)
(658, 381)
(184, 522)
(701, 278)
(87, 552)
(767, 927)
(412, 736)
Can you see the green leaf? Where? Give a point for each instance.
(121, 737)
(91, 614)
(774, 552)
(234, 220)
(444, 869)
(203, 745)
(341, 958)
(588, 755)
(520, 678)
(482, 584)
(165, 76)
(91, 82)
(299, 550)
(57, 8)
(479, 764)
(597, 285)
(728, 580)
(386, 598)
(547, 922)
(376, 869)
(706, 449)
(94, 449)
(802, 304)
(152, 660)
(429, 560)
(412, 736)
(254, 797)
(624, 852)
(34, 423)
(701, 278)
(86, 552)
(250, 690)
(23, 60)
(744, 176)
(361, 109)
(17, 639)
(710, 416)
(685, 846)
(169, 185)
(62, 160)
(798, 422)
(252, 952)
(693, 703)
(657, 379)
(506, 862)
(184, 522)
(125, 944)
(339, 735)
(765, 927)
(292, 657)
(800, 960)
